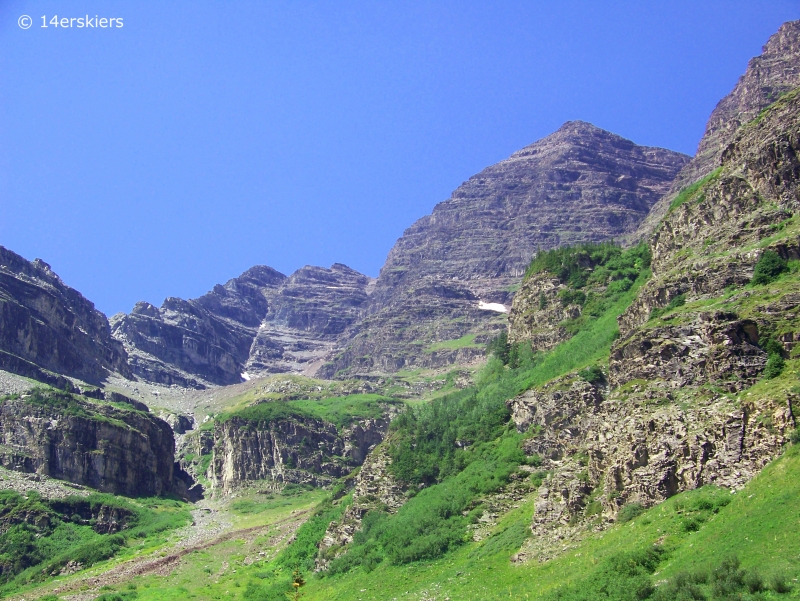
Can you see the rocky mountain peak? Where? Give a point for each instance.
(768, 76)
(580, 183)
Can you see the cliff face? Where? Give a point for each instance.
(261, 322)
(579, 184)
(113, 448)
(46, 324)
(301, 450)
(775, 72)
(641, 444)
(307, 315)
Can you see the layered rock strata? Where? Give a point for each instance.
(47, 326)
(203, 340)
(259, 323)
(112, 448)
(451, 273)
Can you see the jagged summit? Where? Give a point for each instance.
(260, 322)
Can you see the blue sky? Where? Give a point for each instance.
(202, 138)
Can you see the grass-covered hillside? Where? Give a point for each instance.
(341, 411)
(41, 538)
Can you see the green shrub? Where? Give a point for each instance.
(622, 577)
(629, 512)
(768, 267)
(775, 361)
(673, 304)
(778, 584)
(498, 347)
(775, 365)
(572, 297)
(592, 374)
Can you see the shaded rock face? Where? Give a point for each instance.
(775, 72)
(46, 324)
(290, 450)
(579, 184)
(307, 315)
(206, 339)
(124, 452)
(261, 322)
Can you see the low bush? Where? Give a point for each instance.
(592, 374)
(630, 511)
(768, 267)
(673, 304)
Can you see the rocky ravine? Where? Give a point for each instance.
(579, 184)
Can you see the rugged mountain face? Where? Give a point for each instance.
(579, 184)
(114, 448)
(687, 402)
(261, 322)
(307, 315)
(46, 324)
(206, 339)
(710, 244)
(775, 72)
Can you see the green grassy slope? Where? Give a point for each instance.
(695, 531)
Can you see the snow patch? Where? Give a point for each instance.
(497, 307)
(245, 376)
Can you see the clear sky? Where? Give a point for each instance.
(202, 138)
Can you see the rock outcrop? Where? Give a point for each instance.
(292, 449)
(712, 241)
(451, 273)
(114, 448)
(768, 76)
(604, 448)
(374, 488)
(46, 325)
